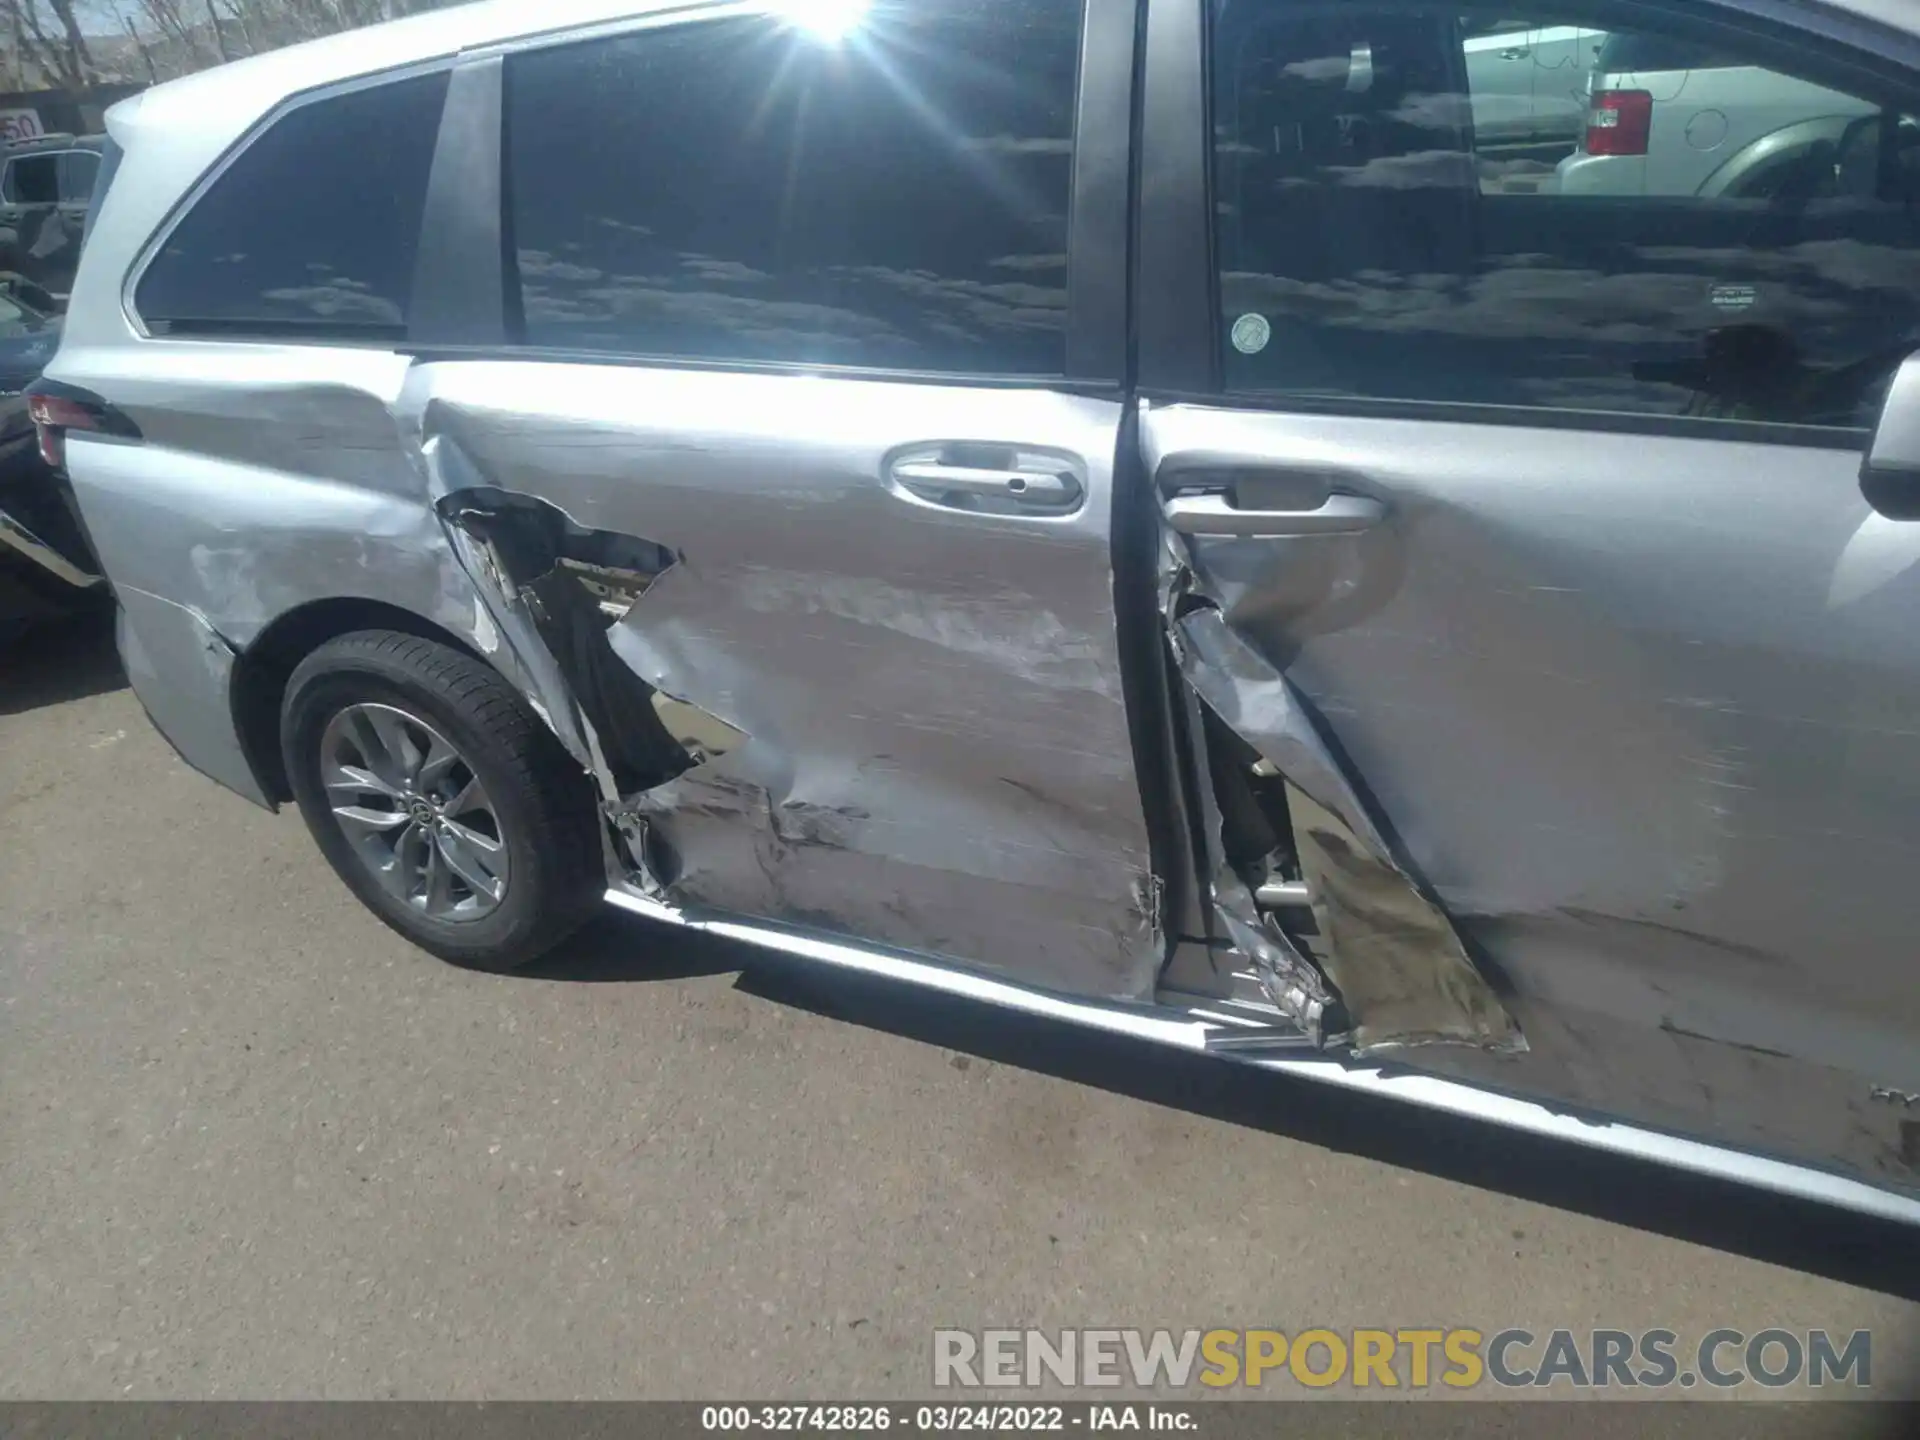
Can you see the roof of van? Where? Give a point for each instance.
(251, 86)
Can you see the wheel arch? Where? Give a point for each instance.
(261, 671)
(1777, 147)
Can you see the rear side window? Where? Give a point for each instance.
(756, 190)
(312, 231)
(34, 179)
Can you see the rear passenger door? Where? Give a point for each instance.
(1547, 510)
(782, 445)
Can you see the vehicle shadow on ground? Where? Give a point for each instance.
(1852, 1249)
(57, 661)
(615, 948)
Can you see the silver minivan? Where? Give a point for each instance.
(1090, 505)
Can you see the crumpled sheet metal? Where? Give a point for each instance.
(773, 828)
(449, 474)
(1291, 981)
(1399, 966)
(926, 758)
(1392, 951)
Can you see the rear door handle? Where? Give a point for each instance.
(1212, 514)
(1028, 489)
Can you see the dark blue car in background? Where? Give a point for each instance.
(47, 568)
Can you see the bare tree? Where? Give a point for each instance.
(50, 45)
(44, 44)
(140, 48)
(166, 38)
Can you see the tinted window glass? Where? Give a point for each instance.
(77, 169)
(753, 190)
(33, 179)
(312, 230)
(1743, 247)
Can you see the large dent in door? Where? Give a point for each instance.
(1397, 966)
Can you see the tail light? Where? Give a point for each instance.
(52, 417)
(55, 409)
(1619, 122)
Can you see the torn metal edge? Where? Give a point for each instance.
(1390, 1006)
(544, 687)
(703, 736)
(1291, 982)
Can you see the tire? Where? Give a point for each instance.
(540, 810)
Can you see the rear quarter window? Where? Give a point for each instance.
(312, 230)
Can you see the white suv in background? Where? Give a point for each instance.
(1528, 82)
(1667, 116)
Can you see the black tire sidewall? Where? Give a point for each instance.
(540, 905)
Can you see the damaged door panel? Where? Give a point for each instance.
(561, 587)
(1346, 941)
(810, 693)
(182, 669)
(1609, 756)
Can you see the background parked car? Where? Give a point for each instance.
(1528, 84)
(45, 189)
(1671, 116)
(46, 565)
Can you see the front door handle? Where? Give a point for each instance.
(1212, 514)
(1030, 489)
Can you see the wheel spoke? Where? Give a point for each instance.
(366, 737)
(350, 780)
(438, 896)
(471, 797)
(440, 758)
(405, 755)
(467, 854)
(396, 869)
(360, 821)
(488, 849)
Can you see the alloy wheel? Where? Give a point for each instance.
(414, 812)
